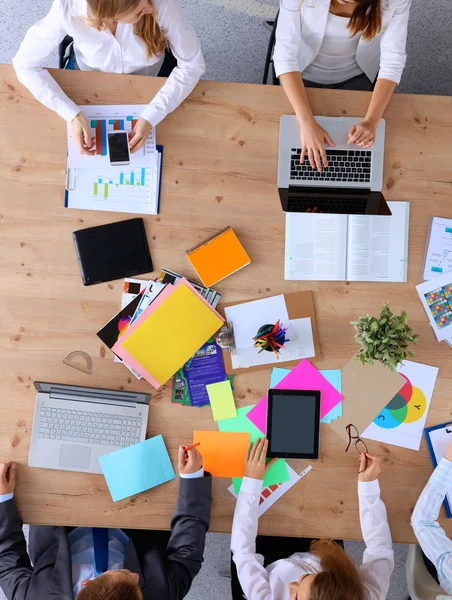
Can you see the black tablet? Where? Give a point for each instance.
(112, 251)
(293, 423)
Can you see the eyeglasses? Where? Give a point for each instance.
(360, 445)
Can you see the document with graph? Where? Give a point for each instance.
(438, 254)
(94, 184)
(348, 247)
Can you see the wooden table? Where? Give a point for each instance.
(219, 168)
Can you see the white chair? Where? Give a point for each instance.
(421, 584)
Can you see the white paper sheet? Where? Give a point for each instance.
(436, 298)
(401, 422)
(249, 316)
(438, 256)
(271, 494)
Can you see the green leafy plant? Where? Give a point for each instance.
(385, 338)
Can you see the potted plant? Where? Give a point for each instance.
(385, 338)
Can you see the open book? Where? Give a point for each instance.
(348, 247)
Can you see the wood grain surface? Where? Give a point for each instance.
(219, 169)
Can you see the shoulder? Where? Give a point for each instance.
(395, 5)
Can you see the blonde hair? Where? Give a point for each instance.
(147, 28)
(339, 578)
(366, 19)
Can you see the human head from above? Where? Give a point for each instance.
(139, 13)
(338, 580)
(112, 585)
(365, 19)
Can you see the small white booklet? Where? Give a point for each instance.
(438, 254)
(323, 247)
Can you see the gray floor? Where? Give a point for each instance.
(234, 42)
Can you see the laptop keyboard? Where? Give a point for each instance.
(88, 427)
(339, 205)
(352, 166)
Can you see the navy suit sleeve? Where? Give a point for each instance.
(15, 566)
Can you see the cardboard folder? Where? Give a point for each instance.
(299, 305)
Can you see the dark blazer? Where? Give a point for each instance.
(166, 562)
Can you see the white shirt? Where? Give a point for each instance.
(302, 26)
(271, 583)
(336, 60)
(102, 51)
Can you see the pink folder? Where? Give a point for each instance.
(164, 294)
(302, 377)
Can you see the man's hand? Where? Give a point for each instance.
(189, 461)
(255, 466)
(363, 134)
(7, 478)
(369, 467)
(139, 135)
(81, 135)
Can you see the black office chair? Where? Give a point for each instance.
(269, 59)
(67, 56)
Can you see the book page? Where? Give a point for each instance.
(438, 256)
(315, 247)
(378, 246)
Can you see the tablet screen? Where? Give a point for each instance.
(293, 426)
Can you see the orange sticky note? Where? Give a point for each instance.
(223, 452)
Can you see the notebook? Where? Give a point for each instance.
(438, 439)
(177, 323)
(322, 247)
(438, 253)
(218, 256)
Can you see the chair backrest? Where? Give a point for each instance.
(421, 584)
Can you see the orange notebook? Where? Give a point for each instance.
(218, 256)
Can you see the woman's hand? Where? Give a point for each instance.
(369, 467)
(255, 466)
(189, 461)
(363, 134)
(7, 478)
(313, 144)
(81, 135)
(139, 135)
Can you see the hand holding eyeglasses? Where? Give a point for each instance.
(369, 467)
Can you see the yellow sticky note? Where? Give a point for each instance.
(221, 400)
(171, 334)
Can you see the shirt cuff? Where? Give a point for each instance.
(153, 115)
(6, 497)
(369, 488)
(195, 475)
(253, 486)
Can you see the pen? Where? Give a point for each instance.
(191, 447)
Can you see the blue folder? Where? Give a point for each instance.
(433, 457)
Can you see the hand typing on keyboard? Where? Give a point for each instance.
(363, 134)
(313, 139)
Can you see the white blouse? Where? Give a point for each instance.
(336, 59)
(102, 51)
(272, 583)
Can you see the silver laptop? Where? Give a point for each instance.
(74, 425)
(351, 183)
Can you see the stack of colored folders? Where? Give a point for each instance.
(168, 333)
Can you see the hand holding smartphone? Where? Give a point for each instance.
(118, 148)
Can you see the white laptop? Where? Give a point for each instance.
(352, 182)
(74, 425)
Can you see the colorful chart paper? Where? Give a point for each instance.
(303, 377)
(223, 453)
(402, 421)
(221, 400)
(168, 333)
(137, 468)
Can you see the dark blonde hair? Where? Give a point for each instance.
(366, 19)
(147, 28)
(339, 578)
(106, 587)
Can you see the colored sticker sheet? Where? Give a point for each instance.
(137, 468)
(206, 367)
(221, 400)
(334, 376)
(223, 453)
(278, 472)
(302, 377)
(168, 333)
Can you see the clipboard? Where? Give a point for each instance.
(299, 305)
(430, 446)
